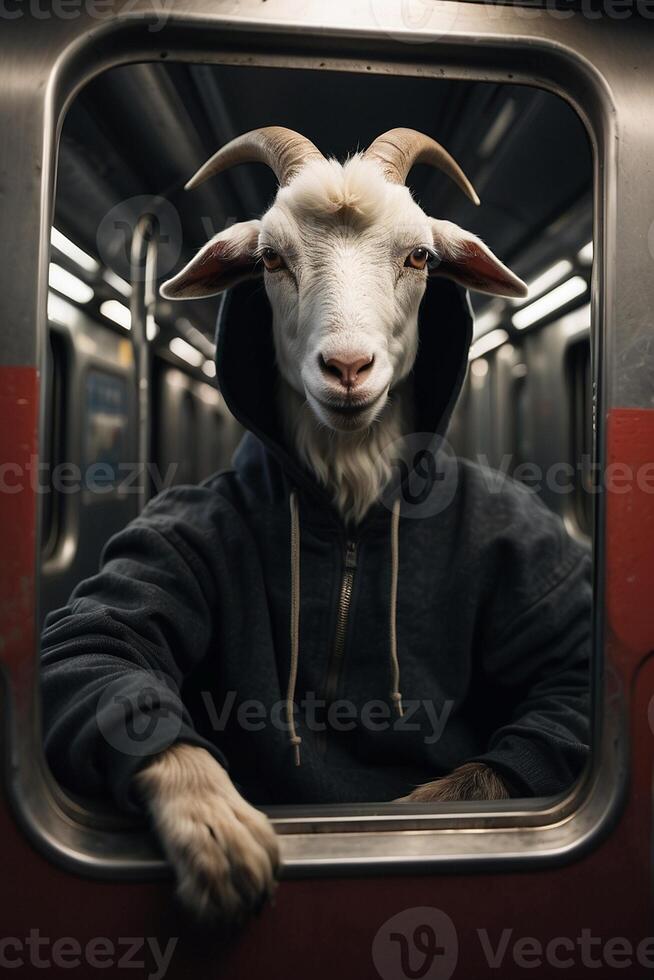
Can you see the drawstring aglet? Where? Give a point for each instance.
(295, 742)
(396, 698)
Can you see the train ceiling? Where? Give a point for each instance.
(144, 129)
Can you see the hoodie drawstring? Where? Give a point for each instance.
(396, 696)
(294, 738)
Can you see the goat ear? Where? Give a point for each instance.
(227, 259)
(465, 258)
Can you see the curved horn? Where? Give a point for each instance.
(283, 150)
(399, 149)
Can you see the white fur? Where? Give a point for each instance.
(345, 234)
(354, 466)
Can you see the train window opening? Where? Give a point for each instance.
(525, 401)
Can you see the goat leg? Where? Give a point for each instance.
(471, 781)
(223, 851)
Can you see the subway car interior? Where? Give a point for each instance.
(130, 141)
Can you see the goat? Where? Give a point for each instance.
(345, 252)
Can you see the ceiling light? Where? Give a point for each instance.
(479, 367)
(117, 312)
(546, 280)
(68, 284)
(73, 251)
(195, 337)
(550, 302)
(488, 343)
(181, 348)
(118, 284)
(60, 311)
(585, 254)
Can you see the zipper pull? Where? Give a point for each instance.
(351, 555)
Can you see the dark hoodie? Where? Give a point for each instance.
(186, 633)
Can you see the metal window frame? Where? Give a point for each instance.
(576, 58)
(53, 431)
(581, 505)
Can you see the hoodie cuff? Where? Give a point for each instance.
(138, 716)
(125, 767)
(528, 769)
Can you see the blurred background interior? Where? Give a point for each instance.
(143, 130)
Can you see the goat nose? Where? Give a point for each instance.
(349, 372)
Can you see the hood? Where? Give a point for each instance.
(247, 374)
(247, 378)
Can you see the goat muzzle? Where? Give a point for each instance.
(349, 372)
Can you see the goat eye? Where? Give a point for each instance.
(418, 258)
(272, 259)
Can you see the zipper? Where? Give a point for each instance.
(335, 665)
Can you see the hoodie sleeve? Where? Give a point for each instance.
(537, 659)
(114, 658)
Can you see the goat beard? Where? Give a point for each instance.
(471, 781)
(352, 466)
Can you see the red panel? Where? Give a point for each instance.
(19, 406)
(630, 527)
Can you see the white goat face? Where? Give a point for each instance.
(346, 258)
(345, 253)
